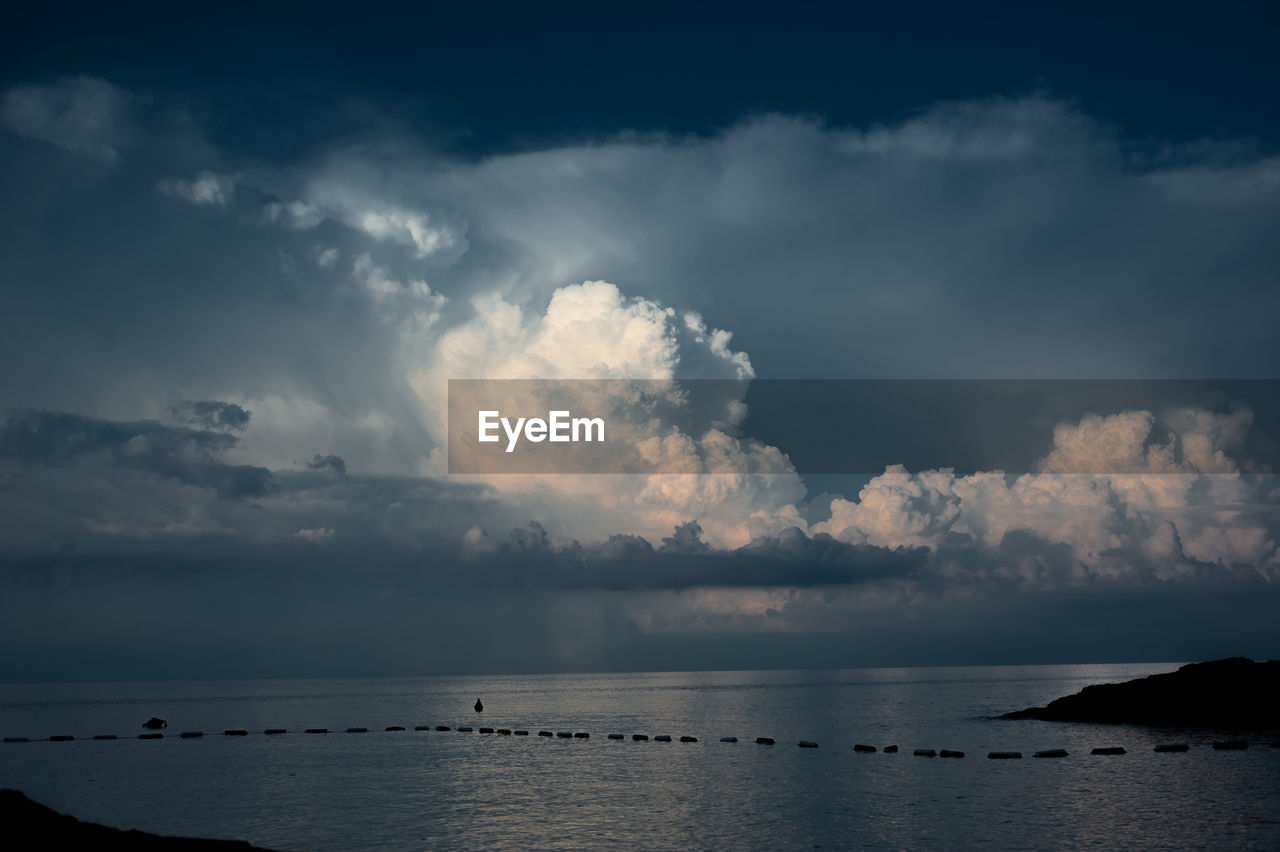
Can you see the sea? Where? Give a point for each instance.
(429, 789)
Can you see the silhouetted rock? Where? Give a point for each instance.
(1231, 693)
(25, 818)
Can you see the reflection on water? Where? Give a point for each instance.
(407, 790)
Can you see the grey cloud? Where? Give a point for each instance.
(188, 455)
(526, 556)
(212, 414)
(84, 115)
(334, 463)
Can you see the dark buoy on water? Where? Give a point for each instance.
(155, 723)
(479, 706)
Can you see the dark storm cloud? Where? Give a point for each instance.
(211, 414)
(53, 438)
(334, 463)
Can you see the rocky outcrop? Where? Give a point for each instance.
(25, 818)
(1232, 693)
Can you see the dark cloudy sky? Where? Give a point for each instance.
(242, 253)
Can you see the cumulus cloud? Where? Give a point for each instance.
(1176, 506)
(85, 115)
(592, 331)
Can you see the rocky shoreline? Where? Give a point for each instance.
(47, 829)
(1235, 693)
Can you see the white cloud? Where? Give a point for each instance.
(592, 331)
(205, 188)
(1169, 502)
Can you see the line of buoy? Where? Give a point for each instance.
(862, 748)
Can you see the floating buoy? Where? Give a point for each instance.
(235, 732)
(317, 730)
(1108, 750)
(728, 739)
(394, 728)
(1231, 745)
(866, 749)
(662, 738)
(582, 735)
(357, 730)
(764, 740)
(545, 734)
(16, 739)
(464, 729)
(893, 749)
(155, 723)
(275, 731)
(807, 744)
(442, 727)
(925, 752)
(486, 730)
(479, 706)
(564, 735)
(505, 732)
(946, 752)
(1004, 755)
(61, 738)
(150, 736)
(105, 737)
(1172, 747)
(615, 736)
(522, 733)
(1052, 752)
(640, 737)
(688, 739)
(191, 735)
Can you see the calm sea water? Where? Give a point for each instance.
(434, 790)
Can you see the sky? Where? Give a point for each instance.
(242, 256)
